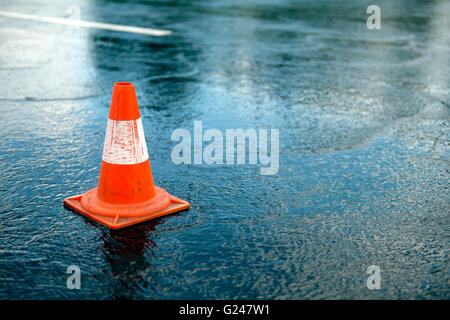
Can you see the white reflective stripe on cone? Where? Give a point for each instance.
(125, 142)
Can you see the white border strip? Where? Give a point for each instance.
(87, 24)
(125, 142)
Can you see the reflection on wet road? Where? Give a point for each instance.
(364, 149)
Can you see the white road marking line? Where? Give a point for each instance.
(87, 24)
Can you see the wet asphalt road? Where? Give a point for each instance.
(364, 149)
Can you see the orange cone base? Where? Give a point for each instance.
(116, 216)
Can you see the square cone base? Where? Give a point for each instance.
(176, 205)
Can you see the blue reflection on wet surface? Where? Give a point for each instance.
(364, 150)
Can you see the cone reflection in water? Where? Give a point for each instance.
(125, 194)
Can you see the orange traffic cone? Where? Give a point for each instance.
(125, 194)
